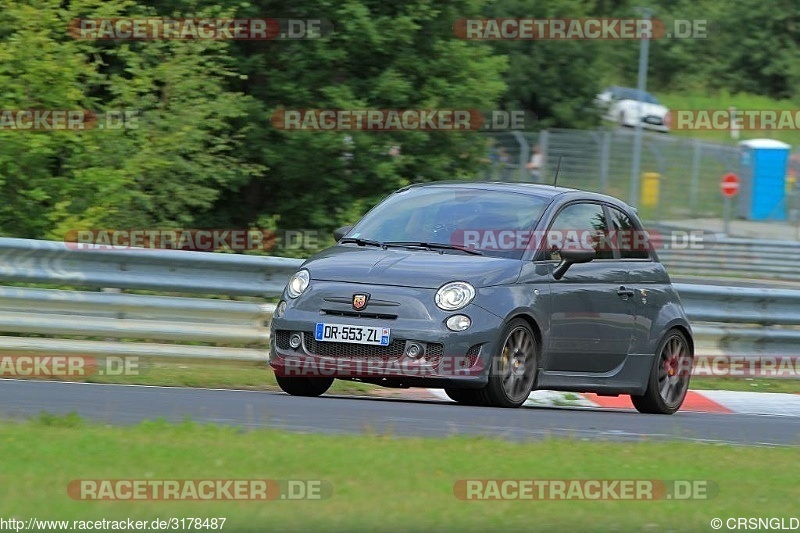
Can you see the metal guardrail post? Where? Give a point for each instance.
(698, 148)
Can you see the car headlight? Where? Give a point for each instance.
(454, 295)
(298, 283)
(458, 322)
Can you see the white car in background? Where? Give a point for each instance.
(621, 105)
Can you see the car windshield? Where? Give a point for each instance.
(633, 94)
(498, 223)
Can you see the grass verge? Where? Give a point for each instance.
(380, 483)
(209, 374)
(723, 101)
(789, 386)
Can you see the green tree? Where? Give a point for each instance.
(166, 170)
(555, 79)
(380, 55)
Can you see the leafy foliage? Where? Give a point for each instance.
(204, 153)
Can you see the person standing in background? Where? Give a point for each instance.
(535, 164)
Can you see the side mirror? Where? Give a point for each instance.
(341, 232)
(573, 256)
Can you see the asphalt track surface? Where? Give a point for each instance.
(125, 404)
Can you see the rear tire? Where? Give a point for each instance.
(669, 377)
(301, 386)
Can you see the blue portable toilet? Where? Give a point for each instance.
(764, 164)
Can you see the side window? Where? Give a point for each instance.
(584, 225)
(631, 242)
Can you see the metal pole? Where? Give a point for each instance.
(524, 156)
(544, 146)
(727, 229)
(734, 124)
(605, 151)
(695, 178)
(644, 52)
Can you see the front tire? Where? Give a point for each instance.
(465, 396)
(513, 371)
(302, 386)
(669, 377)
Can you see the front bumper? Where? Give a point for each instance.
(654, 123)
(448, 358)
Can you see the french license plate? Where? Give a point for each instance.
(352, 334)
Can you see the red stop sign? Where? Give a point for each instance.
(729, 185)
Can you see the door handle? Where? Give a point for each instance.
(625, 293)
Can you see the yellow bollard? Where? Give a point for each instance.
(650, 183)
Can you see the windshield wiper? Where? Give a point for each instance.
(435, 246)
(362, 242)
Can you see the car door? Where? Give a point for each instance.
(646, 277)
(592, 307)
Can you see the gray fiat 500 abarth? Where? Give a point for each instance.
(489, 291)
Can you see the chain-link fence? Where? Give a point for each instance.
(679, 178)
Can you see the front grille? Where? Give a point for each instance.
(433, 353)
(356, 314)
(282, 339)
(472, 355)
(348, 350)
(456, 363)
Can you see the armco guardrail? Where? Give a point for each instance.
(158, 270)
(181, 323)
(737, 258)
(726, 320)
(736, 320)
(743, 320)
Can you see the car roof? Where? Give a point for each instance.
(623, 88)
(534, 189)
(630, 93)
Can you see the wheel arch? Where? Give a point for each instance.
(537, 331)
(687, 332)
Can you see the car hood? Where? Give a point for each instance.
(648, 108)
(410, 268)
